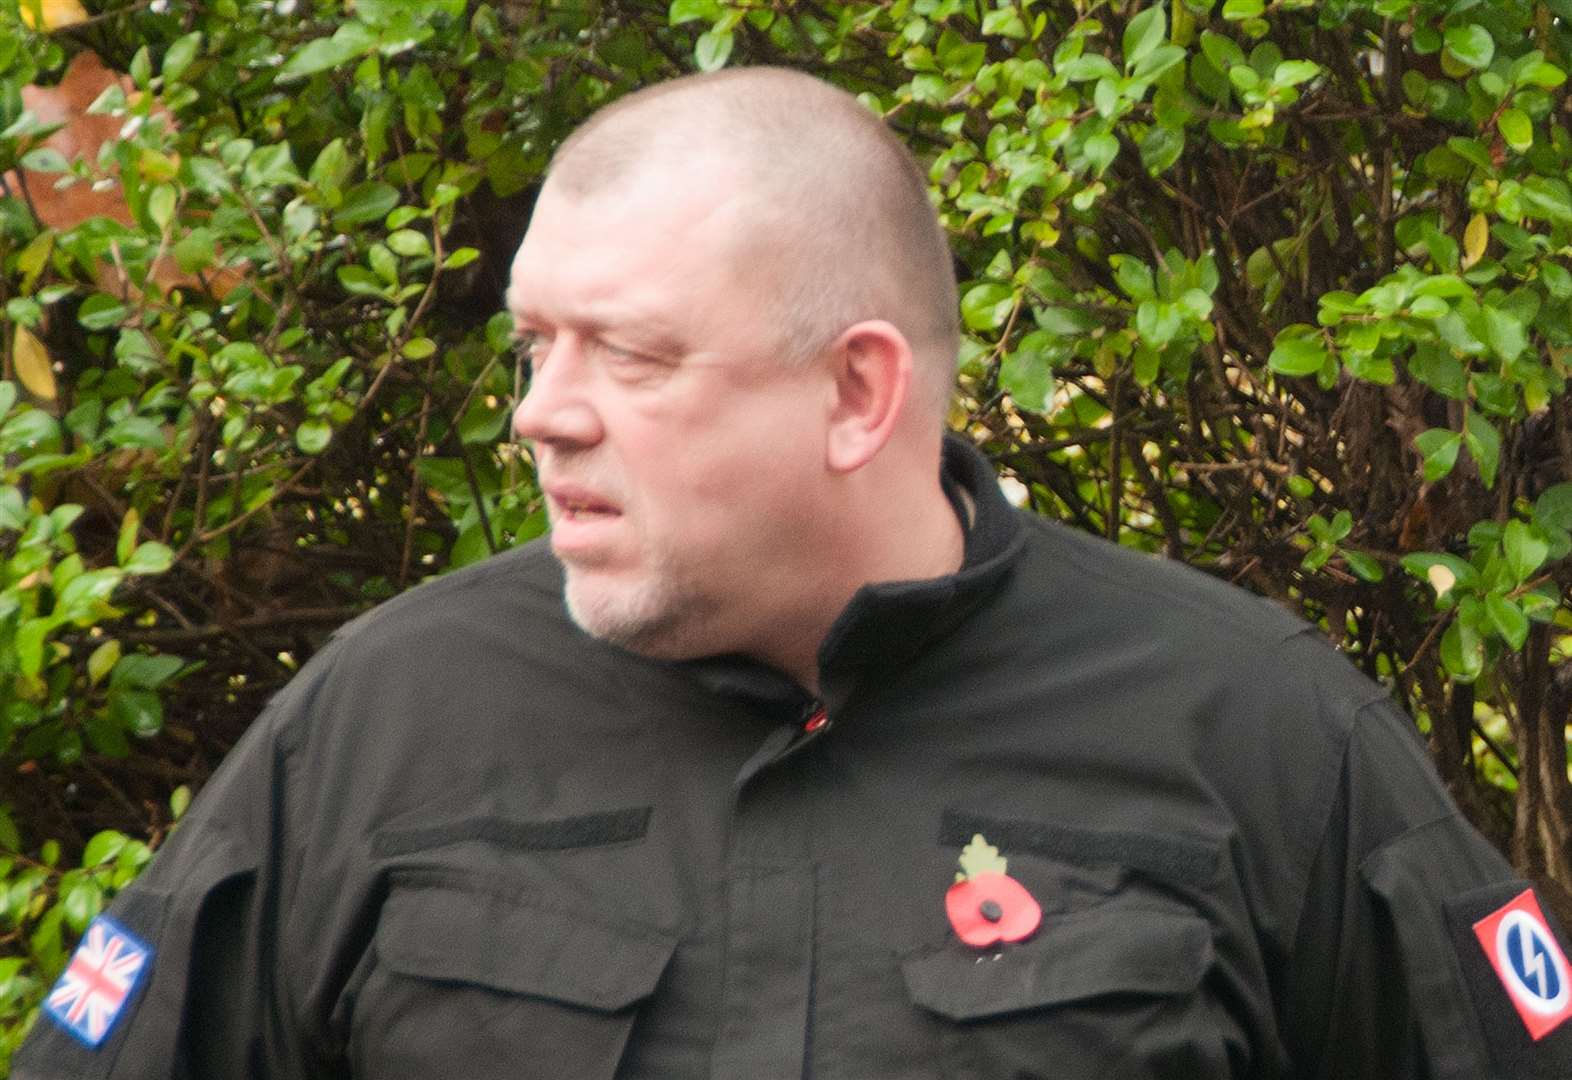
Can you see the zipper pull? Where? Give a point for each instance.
(817, 719)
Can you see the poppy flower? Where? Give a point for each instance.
(988, 908)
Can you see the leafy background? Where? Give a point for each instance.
(1277, 289)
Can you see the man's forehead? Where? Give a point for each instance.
(579, 247)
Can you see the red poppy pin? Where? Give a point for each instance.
(986, 905)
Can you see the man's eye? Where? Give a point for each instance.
(528, 349)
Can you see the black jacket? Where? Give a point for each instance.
(468, 841)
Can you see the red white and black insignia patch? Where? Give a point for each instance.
(1529, 962)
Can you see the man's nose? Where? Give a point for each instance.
(558, 408)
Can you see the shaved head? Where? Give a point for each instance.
(839, 227)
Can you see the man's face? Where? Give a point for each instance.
(677, 452)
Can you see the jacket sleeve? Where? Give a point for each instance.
(177, 978)
(1399, 973)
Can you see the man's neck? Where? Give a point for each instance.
(885, 538)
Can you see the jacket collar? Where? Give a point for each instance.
(888, 623)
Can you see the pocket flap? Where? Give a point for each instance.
(461, 934)
(1071, 958)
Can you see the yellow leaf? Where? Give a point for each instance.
(1441, 579)
(1475, 239)
(981, 857)
(31, 361)
(54, 13)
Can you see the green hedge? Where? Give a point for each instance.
(1280, 289)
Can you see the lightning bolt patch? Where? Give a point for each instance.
(1529, 962)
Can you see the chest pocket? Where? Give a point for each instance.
(478, 984)
(1105, 992)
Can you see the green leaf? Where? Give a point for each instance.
(1525, 549)
(987, 306)
(102, 661)
(150, 558)
(1557, 280)
(1100, 151)
(1554, 506)
(1294, 72)
(1239, 10)
(482, 424)
(1439, 448)
(712, 50)
(1508, 619)
(1027, 373)
(1517, 129)
(179, 800)
(1504, 333)
(1143, 34)
(365, 202)
(29, 644)
(80, 599)
(143, 672)
(195, 251)
(409, 243)
(332, 167)
(1462, 652)
(125, 543)
(1544, 75)
(1133, 276)
(1471, 45)
(1295, 352)
(1003, 22)
(469, 547)
(270, 166)
(13, 510)
(1160, 148)
(1366, 567)
(136, 431)
(1196, 303)
(45, 159)
(383, 263)
(1370, 368)
(161, 205)
(101, 312)
(1157, 323)
(137, 711)
(1484, 443)
(179, 55)
(1444, 572)
(313, 436)
(683, 11)
(103, 847)
(84, 901)
(321, 55)
(1088, 67)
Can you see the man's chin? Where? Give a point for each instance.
(643, 620)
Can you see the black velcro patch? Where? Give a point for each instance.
(1178, 859)
(558, 834)
(1513, 1051)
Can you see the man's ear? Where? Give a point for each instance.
(872, 368)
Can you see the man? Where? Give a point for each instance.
(710, 820)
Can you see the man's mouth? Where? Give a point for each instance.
(572, 504)
(583, 511)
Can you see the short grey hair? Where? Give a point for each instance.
(844, 220)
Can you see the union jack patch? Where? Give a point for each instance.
(96, 986)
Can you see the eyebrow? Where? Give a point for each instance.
(650, 332)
